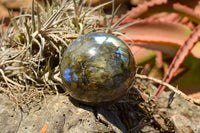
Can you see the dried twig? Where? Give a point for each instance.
(180, 93)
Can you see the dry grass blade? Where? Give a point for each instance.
(39, 38)
(51, 19)
(112, 17)
(120, 21)
(32, 16)
(118, 28)
(2, 30)
(12, 21)
(38, 16)
(97, 7)
(9, 80)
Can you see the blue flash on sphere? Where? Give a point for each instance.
(68, 76)
(75, 77)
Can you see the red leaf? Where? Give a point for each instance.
(162, 36)
(142, 55)
(183, 7)
(180, 56)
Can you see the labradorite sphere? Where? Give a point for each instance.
(97, 68)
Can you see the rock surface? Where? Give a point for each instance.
(60, 114)
(64, 115)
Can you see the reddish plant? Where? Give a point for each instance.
(168, 25)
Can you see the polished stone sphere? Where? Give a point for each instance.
(97, 68)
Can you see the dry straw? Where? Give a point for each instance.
(32, 45)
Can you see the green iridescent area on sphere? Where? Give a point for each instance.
(97, 68)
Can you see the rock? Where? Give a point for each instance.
(60, 114)
(131, 114)
(179, 116)
(184, 115)
(9, 117)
